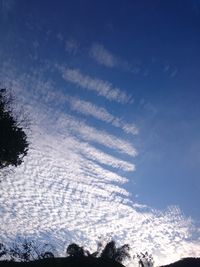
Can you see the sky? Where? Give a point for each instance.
(111, 93)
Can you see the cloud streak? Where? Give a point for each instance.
(88, 108)
(91, 134)
(101, 87)
(106, 58)
(103, 56)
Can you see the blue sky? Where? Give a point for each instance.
(117, 83)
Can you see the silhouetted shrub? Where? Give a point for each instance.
(145, 259)
(74, 250)
(117, 254)
(13, 140)
(110, 252)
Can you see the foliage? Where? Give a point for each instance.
(117, 254)
(13, 140)
(145, 259)
(110, 251)
(26, 251)
(74, 250)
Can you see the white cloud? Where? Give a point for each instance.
(101, 87)
(103, 56)
(91, 134)
(102, 114)
(44, 91)
(63, 193)
(52, 191)
(106, 58)
(72, 46)
(89, 108)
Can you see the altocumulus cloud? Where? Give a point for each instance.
(101, 87)
(102, 114)
(69, 190)
(106, 58)
(103, 56)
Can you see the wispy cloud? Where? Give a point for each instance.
(47, 93)
(52, 191)
(72, 46)
(67, 190)
(102, 114)
(101, 87)
(91, 134)
(103, 56)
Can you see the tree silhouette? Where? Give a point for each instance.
(13, 140)
(110, 251)
(145, 259)
(117, 254)
(74, 250)
(122, 253)
(97, 253)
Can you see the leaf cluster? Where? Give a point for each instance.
(110, 251)
(13, 139)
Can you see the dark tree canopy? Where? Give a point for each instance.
(109, 252)
(118, 254)
(145, 259)
(13, 140)
(75, 250)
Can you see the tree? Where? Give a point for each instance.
(13, 139)
(122, 253)
(145, 259)
(117, 254)
(74, 250)
(110, 251)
